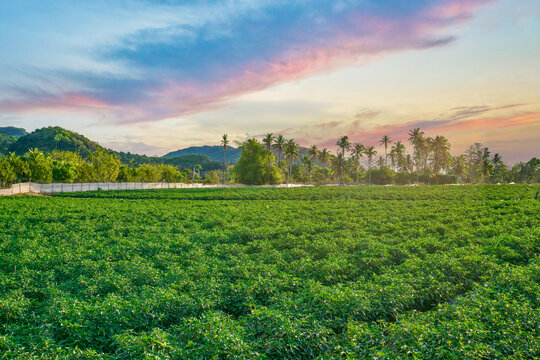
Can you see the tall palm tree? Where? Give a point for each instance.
(497, 159)
(268, 140)
(344, 144)
(313, 152)
(393, 157)
(324, 158)
(416, 139)
(279, 145)
(486, 169)
(357, 153)
(308, 165)
(441, 153)
(459, 167)
(400, 155)
(224, 143)
(370, 153)
(291, 152)
(338, 165)
(385, 141)
(380, 162)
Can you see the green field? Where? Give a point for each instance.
(447, 272)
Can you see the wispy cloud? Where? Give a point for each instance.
(191, 66)
(461, 121)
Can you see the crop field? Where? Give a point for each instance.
(442, 272)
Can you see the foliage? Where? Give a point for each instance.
(434, 272)
(5, 142)
(54, 138)
(382, 176)
(214, 153)
(12, 131)
(252, 167)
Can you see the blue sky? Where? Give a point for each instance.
(155, 76)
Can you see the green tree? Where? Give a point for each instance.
(399, 151)
(370, 153)
(148, 173)
(169, 173)
(357, 153)
(268, 140)
(252, 166)
(39, 166)
(279, 145)
(7, 173)
(324, 159)
(339, 165)
(416, 139)
(313, 152)
(224, 143)
(441, 154)
(291, 152)
(105, 166)
(385, 141)
(486, 169)
(308, 165)
(20, 166)
(64, 171)
(459, 167)
(344, 144)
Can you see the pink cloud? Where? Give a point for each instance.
(357, 37)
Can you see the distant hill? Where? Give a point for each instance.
(54, 138)
(214, 152)
(187, 161)
(13, 131)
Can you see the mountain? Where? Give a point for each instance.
(13, 131)
(214, 152)
(54, 138)
(187, 161)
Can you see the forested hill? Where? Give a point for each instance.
(56, 138)
(182, 162)
(12, 131)
(213, 152)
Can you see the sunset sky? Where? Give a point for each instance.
(155, 76)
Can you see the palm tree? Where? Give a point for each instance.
(224, 143)
(357, 153)
(370, 153)
(308, 164)
(268, 140)
(393, 157)
(459, 167)
(380, 162)
(416, 139)
(338, 165)
(441, 153)
(291, 152)
(324, 158)
(344, 144)
(400, 155)
(312, 152)
(385, 141)
(279, 145)
(497, 159)
(486, 169)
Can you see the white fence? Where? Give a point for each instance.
(25, 188)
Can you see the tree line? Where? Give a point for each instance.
(99, 166)
(276, 159)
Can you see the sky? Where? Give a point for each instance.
(151, 77)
